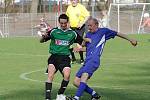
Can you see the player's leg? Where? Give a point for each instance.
(51, 71)
(73, 58)
(48, 83)
(81, 57)
(64, 84)
(81, 83)
(85, 72)
(82, 86)
(89, 90)
(65, 61)
(81, 32)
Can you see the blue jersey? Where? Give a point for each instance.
(95, 49)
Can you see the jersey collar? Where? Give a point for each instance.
(64, 30)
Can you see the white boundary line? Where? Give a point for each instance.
(24, 77)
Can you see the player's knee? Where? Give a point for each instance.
(84, 77)
(76, 82)
(66, 76)
(51, 70)
(66, 73)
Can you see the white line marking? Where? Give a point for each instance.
(24, 76)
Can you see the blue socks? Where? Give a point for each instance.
(81, 89)
(89, 90)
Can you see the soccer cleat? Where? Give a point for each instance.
(70, 98)
(61, 97)
(96, 97)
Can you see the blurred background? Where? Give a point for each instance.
(18, 17)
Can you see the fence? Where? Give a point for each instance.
(21, 24)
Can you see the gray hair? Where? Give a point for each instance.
(95, 20)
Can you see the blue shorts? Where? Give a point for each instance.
(89, 67)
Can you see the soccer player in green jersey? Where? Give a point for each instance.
(61, 38)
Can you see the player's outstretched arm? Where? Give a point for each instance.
(132, 41)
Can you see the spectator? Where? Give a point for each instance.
(78, 15)
(43, 27)
(1, 34)
(146, 23)
(103, 19)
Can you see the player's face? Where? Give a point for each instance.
(92, 26)
(63, 24)
(74, 3)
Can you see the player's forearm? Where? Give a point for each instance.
(132, 41)
(123, 36)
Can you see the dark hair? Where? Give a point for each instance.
(63, 16)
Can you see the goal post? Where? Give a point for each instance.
(126, 17)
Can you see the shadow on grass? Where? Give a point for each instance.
(107, 94)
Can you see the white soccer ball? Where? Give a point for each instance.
(39, 33)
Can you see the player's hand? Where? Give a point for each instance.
(133, 42)
(87, 40)
(77, 49)
(44, 35)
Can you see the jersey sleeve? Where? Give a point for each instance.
(110, 34)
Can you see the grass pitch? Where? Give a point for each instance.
(124, 73)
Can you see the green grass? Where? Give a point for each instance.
(124, 73)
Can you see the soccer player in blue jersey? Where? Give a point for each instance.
(94, 47)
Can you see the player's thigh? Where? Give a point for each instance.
(52, 63)
(89, 67)
(64, 65)
(51, 70)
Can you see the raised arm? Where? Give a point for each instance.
(132, 41)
